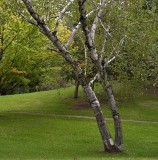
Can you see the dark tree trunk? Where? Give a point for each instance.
(77, 84)
(3, 92)
(2, 42)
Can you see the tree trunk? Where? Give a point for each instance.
(93, 85)
(106, 137)
(52, 36)
(115, 115)
(77, 84)
(3, 92)
(2, 42)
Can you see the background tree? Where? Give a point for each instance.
(26, 63)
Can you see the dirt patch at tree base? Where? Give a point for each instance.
(84, 104)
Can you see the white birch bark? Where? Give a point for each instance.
(106, 137)
(117, 146)
(74, 30)
(61, 14)
(104, 131)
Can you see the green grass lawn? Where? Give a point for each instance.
(24, 136)
(61, 102)
(50, 137)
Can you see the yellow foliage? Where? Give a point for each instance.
(53, 53)
(63, 33)
(16, 71)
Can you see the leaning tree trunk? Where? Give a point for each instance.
(106, 137)
(77, 84)
(93, 84)
(115, 114)
(100, 64)
(116, 117)
(52, 36)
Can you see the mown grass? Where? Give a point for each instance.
(141, 107)
(50, 137)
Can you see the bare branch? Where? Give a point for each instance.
(133, 40)
(27, 19)
(106, 33)
(85, 54)
(61, 15)
(96, 20)
(9, 43)
(33, 13)
(89, 41)
(85, 69)
(97, 77)
(105, 29)
(114, 54)
(72, 35)
(74, 30)
(104, 44)
(110, 60)
(51, 36)
(52, 49)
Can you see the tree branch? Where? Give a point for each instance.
(74, 30)
(61, 15)
(52, 49)
(105, 29)
(85, 56)
(96, 20)
(27, 19)
(110, 60)
(9, 43)
(52, 36)
(104, 44)
(97, 77)
(89, 41)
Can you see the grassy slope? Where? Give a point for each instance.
(50, 137)
(60, 102)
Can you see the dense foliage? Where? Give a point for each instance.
(27, 65)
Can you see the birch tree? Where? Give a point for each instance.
(110, 31)
(99, 62)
